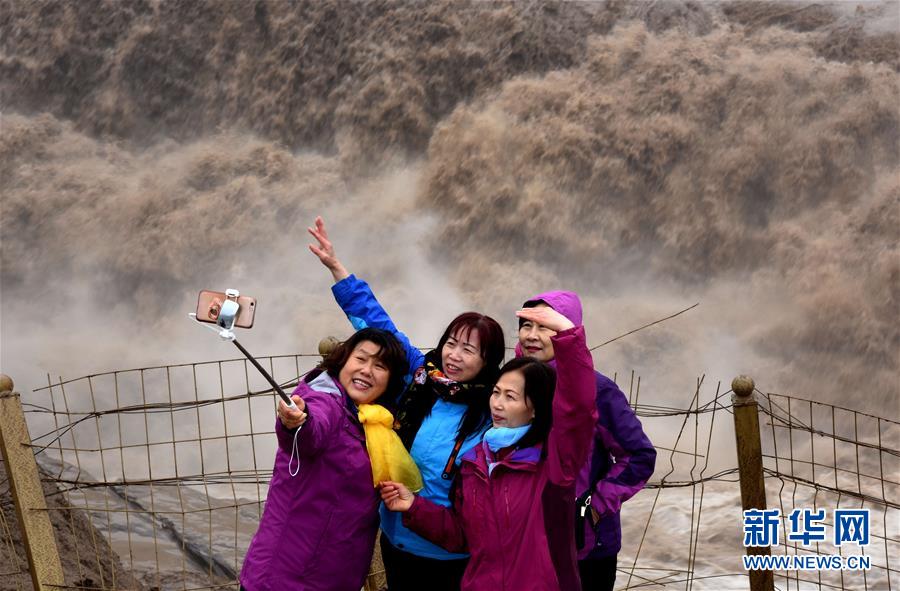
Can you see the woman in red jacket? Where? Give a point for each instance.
(514, 503)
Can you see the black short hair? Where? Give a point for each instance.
(390, 352)
(540, 385)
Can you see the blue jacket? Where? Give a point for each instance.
(435, 438)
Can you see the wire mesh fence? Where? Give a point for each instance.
(826, 458)
(169, 464)
(156, 479)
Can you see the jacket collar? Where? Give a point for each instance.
(521, 459)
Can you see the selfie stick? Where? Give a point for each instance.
(225, 321)
(273, 383)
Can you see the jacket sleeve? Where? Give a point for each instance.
(620, 432)
(574, 408)
(440, 525)
(324, 411)
(356, 299)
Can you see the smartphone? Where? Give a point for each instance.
(210, 303)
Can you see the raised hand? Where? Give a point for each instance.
(396, 496)
(290, 418)
(545, 316)
(325, 250)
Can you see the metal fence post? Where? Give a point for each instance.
(28, 496)
(750, 468)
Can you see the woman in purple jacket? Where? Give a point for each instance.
(318, 528)
(621, 460)
(514, 503)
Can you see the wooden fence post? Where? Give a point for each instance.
(750, 468)
(28, 496)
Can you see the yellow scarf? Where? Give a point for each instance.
(390, 460)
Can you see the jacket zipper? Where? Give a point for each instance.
(494, 485)
(506, 499)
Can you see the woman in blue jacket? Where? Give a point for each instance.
(441, 416)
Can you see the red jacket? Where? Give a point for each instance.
(518, 523)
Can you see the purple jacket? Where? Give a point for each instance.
(518, 522)
(318, 528)
(622, 458)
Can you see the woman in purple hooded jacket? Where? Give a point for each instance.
(621, 461)
(513, 502)
(317, 532)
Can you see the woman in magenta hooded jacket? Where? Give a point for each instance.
(514, 502)
(621, 460)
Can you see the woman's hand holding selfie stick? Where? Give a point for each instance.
(292, 418)
(396, 496)
(325, 250)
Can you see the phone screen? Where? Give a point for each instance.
(209, 304)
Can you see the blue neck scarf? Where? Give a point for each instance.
(496, 438)
(499, 437)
